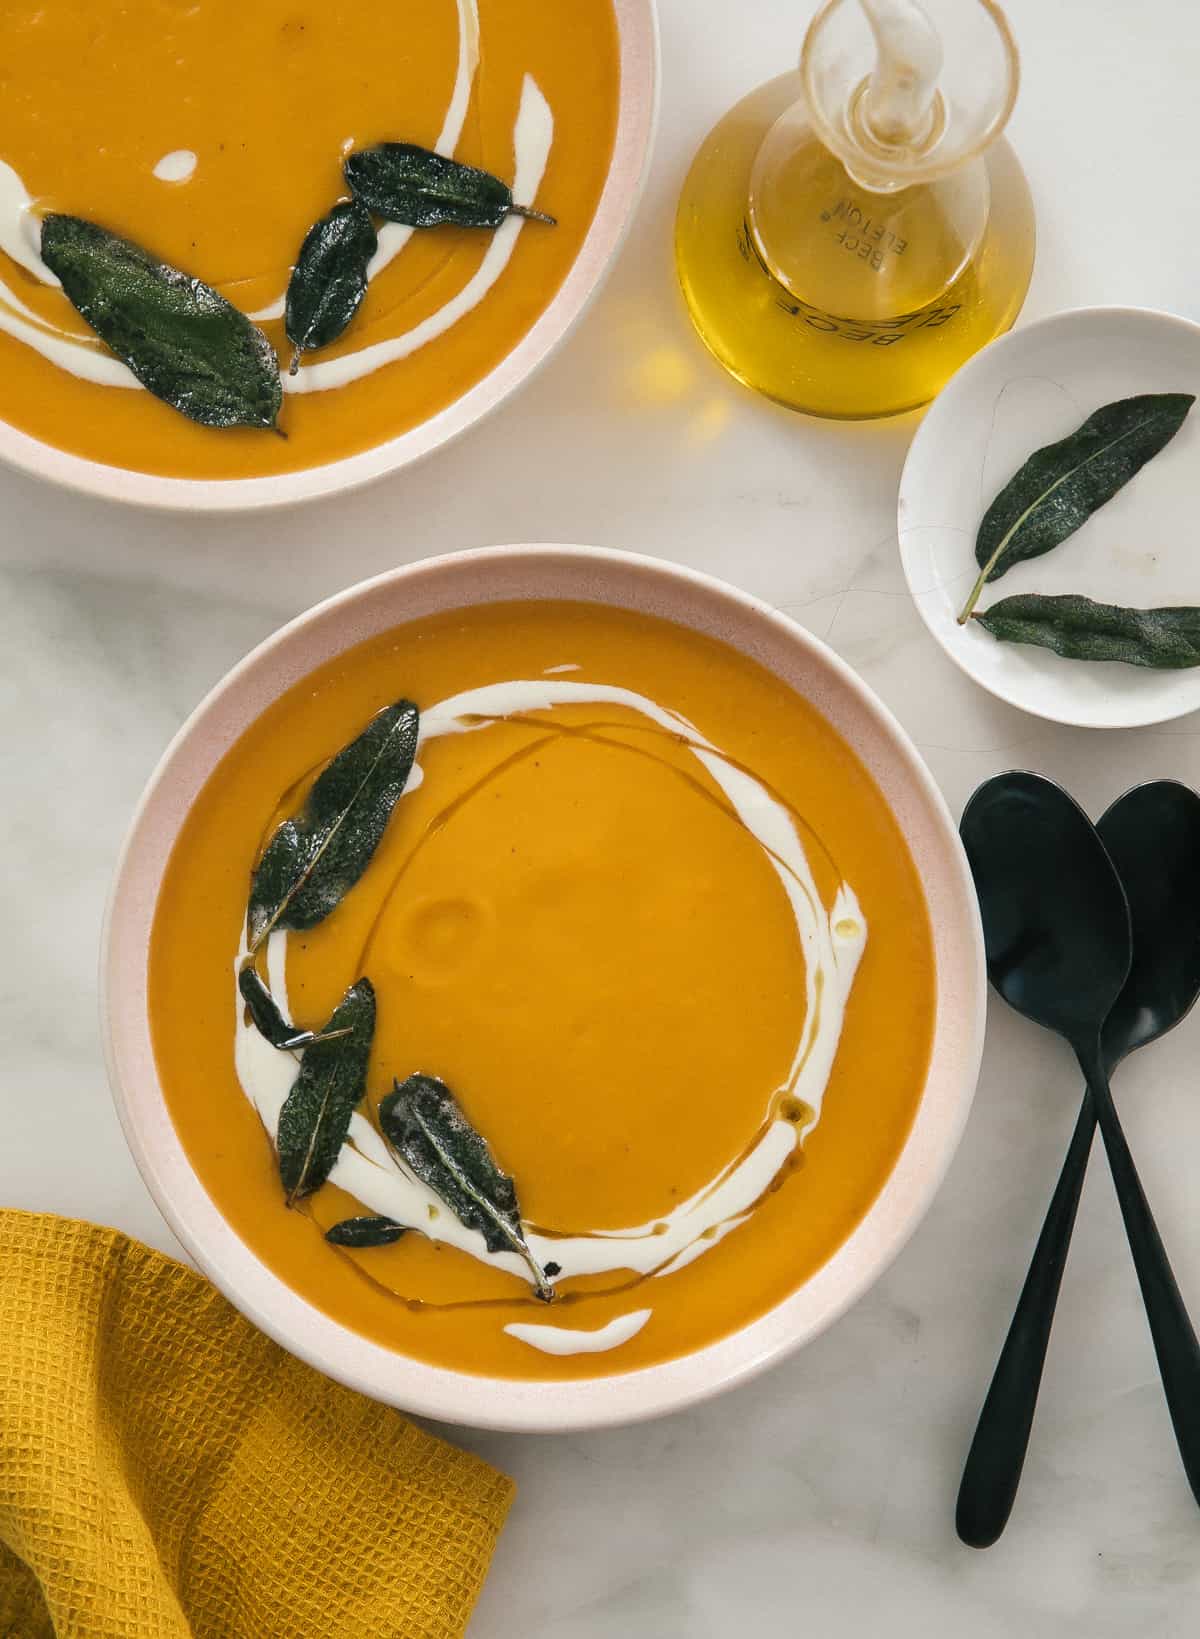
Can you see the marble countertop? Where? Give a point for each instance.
(820, 1498)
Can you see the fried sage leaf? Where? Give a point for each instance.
(315, 1117)
(365, 1232)
(404, 183)
(1079, 629)
(185, 344)
(423, 1122)
(268, 1020)
(1062, 484)
(315, 858)
(329, 279)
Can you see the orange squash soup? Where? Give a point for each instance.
(213, 135)
(620, 975)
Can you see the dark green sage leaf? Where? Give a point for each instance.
(186, 344)
(365, 1232)
(265, 1014)
(315, 1117)
(404, 183)
(423, 1122)
(1061, 485)
(1079, 629)
(316, 857)
(329, 279)
(269, 1021)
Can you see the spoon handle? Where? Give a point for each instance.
(992, 1470)
(1174, 1340)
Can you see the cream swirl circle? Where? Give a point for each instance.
(832, 941)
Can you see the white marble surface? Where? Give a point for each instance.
(820, 1498)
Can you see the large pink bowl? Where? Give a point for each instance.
(630, 582)
(637, 117)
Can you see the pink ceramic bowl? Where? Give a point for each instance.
(630, 582)
(637, 118)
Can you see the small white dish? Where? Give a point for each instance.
(1030, 388)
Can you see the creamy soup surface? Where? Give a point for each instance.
(647, 917)
(213, 134)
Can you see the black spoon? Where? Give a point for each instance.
(1057, 934)
(1152, 835)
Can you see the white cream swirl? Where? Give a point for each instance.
(86, 358)
(832, 942)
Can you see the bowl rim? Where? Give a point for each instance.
(638, 103)
(529, 1405)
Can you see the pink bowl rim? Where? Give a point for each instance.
(691, 599)
(637, 122)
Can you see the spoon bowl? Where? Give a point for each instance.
(1056, 925)
(1152, 836)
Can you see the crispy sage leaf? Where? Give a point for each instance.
(329, 279)
(316, 857)
(365, 1232)
(315, 1117)
(267, 1019)
(186, 344)
(1079, 629)
(423, 1122)
(422, 189)
(1061, 485)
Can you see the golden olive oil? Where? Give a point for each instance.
(856, 303)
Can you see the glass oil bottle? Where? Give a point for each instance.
(852, 232)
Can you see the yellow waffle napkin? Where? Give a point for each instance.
(167, 1472)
